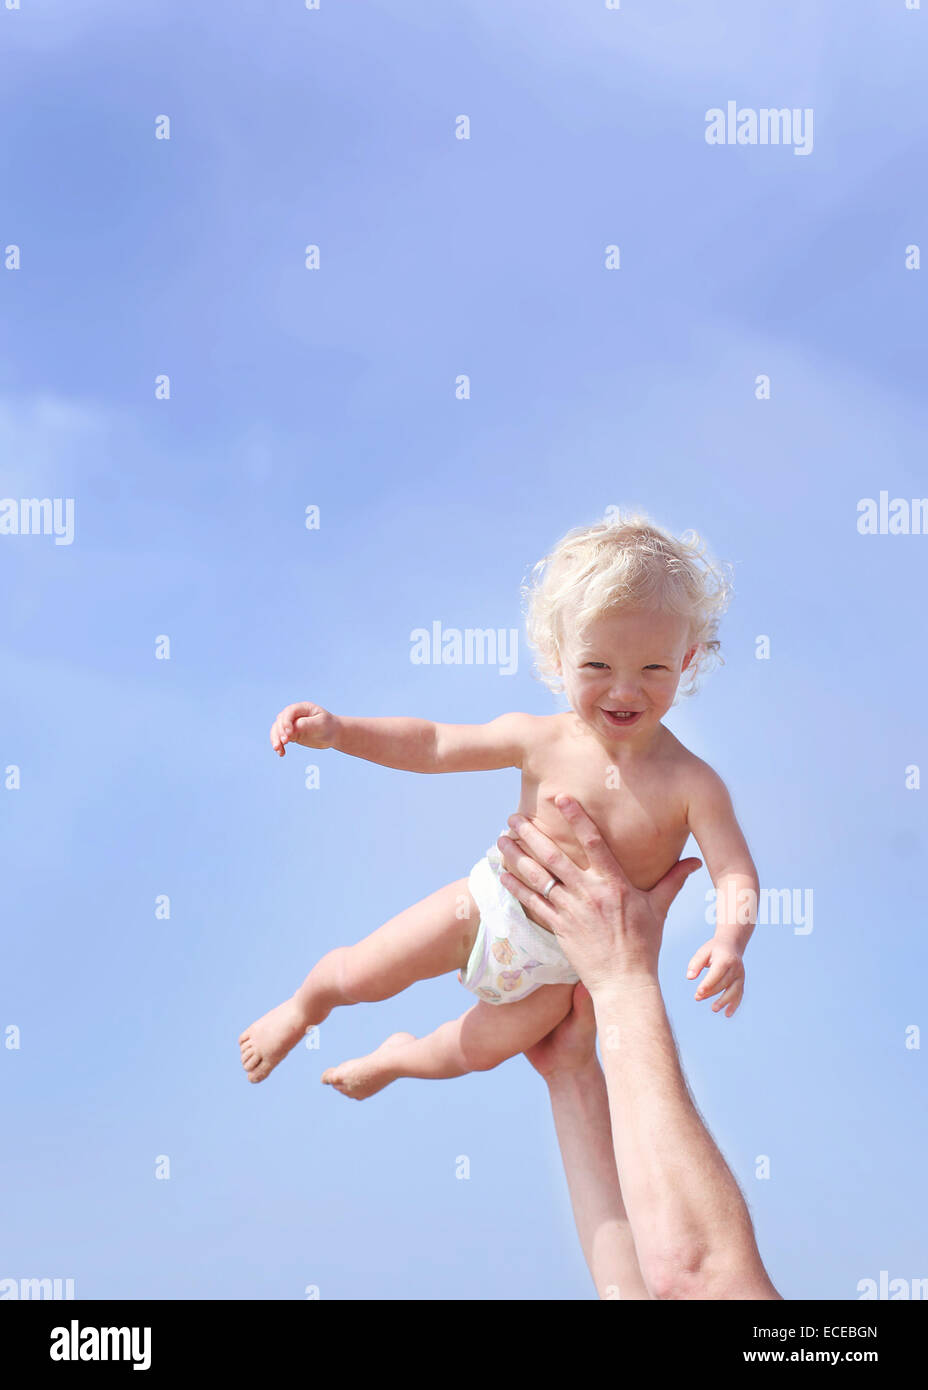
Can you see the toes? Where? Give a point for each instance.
(251, 1061)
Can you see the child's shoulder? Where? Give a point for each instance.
(696, 776)
(702, 791)
(534, 728)
(535, 733)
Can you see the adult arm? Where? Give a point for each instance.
(691, 1227)
(567, 1061)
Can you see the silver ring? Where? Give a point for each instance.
(546, 892)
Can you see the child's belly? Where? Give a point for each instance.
(645, 843)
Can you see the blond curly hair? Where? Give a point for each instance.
(626, 562)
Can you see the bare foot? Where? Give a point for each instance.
(268, 1041)
(365, 1076)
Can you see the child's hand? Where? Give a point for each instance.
(310, 725)
(726, 972)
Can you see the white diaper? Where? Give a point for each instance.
(512, 956)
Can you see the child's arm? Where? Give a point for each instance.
(712, 821)
(413, 745)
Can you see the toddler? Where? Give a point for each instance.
(620, 615)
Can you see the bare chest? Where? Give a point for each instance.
(641, 814)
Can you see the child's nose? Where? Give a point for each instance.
(625, 690)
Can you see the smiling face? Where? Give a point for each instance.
(622, 675)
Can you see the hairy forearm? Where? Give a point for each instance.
(736, 896)
(580, 1105)
(407, 744)
(691, 1227)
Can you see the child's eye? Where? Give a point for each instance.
(599, 665)
(655, 667)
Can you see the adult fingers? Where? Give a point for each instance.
(539, 907)
(664, 892)
(582, 1017)
(591, 838)
(545, 852)
(535, 875)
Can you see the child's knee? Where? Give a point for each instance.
(483, 1045)
(484, 1056)
(352, 979)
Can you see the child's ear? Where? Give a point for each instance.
(689, 656)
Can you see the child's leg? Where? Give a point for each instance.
(431, 938)
(477, 1041)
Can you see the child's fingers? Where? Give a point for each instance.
(715, 981)
(292, 713)
(699, 962)
(282, 722)
(730, 999)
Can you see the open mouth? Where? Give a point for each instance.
(622, 718)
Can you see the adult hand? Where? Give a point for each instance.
(607, 927)
(570, 1046)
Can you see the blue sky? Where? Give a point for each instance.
(589, 389)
